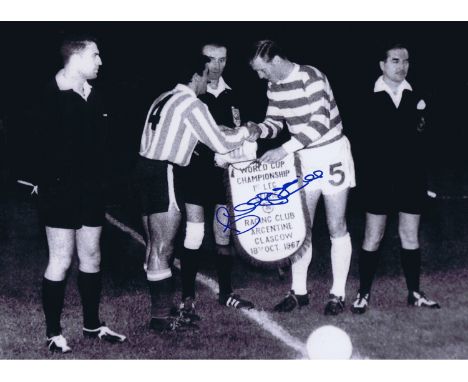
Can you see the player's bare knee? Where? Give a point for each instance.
(409, 241)
(165, 252)
(372, 242)
(57, 268)
(221, 239)
(194, 235)
(370, 246)
(90, 265)
(158, 260)
(90, 262)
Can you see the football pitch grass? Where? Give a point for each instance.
(389, 330)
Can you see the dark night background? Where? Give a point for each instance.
(140, 61)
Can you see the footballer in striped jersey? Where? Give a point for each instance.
(301, 97)
(176, 122)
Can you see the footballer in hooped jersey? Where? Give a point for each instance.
(301, 96)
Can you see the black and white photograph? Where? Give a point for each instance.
(233, 190)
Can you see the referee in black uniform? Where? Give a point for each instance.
(393, 176)
(223, 103)
(71, 144)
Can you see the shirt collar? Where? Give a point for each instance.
(290, 75)
(222, 86)
(65, 84)
(381, 86)
(185, 89)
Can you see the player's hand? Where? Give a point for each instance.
(273, 156)
(227, 130)
(254, 131)
(237, 154)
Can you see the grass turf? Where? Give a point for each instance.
(389, 330)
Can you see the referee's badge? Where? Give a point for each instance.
(236, 119)
(420, 107)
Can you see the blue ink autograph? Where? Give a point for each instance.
(244, 210)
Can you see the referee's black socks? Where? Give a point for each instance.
(368, 262)
(53, 294)
(189, 262)
(89, 286)
(224, 263)
(411, 263)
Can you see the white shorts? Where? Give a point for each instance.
(335, 161)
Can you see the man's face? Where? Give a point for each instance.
(395, 67)
(265, 70)
(88, 61)
(217, 56)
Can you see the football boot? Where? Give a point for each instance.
(292, 301)
(335, 305)
(361, 303)
(58, 344)
(419, 299)
(104, 333)
(233, 300)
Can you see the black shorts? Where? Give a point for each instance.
(386, 196)
(151, 182)
(71, 204)
(203, 182)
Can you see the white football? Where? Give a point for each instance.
(329, 342)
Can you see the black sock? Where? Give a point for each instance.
(224, 269)
(411, 263)
(368, 262)
(89, 286)
(189, 261)
(53, 294)
(161, 297)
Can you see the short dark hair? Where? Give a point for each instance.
(216, 44)
(267, 50)
(74, 44)
(388, 48)
(195, 65)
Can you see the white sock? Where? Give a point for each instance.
(299, 272)
(341, 250)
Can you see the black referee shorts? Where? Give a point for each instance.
(71, 204)
(383, 197)
(152, 185)
(203, 182)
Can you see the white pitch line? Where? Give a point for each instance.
(260, 317)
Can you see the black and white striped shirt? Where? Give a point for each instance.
(177, 121)
(304, 100)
